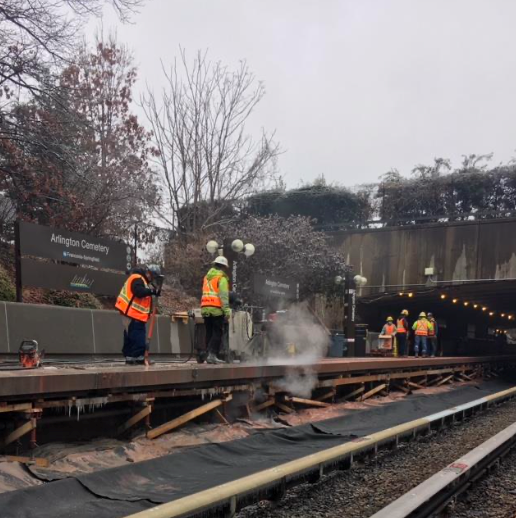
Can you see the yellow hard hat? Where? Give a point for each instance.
(422, 314)
(390, 319)
(405, 312)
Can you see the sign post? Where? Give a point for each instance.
(349, 310)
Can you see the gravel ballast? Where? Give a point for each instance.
(370, 486)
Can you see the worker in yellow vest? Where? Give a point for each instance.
(135, 305)
(402, 330)
(215, 308)
(421, 329)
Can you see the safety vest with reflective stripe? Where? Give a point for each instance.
(390, 329)
(211, 292)
(402, 325)
(422, 327)
(132, 306)
(431, 328)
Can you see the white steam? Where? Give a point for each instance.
(300, 332)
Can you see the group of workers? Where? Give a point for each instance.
(425, 334)
(135, 304)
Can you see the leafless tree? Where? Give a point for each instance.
(36, 34)
(207, 158)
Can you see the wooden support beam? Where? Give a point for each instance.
(445, 380)
(31, 461)
(309, 402)
(136, 418)
(326, 396)
(284, 408)
(179, 421)
(382, 377)
(415, 385)
(372, 392)
(223, 420)
(263, 406)
(20, 432)
(403, 388)
(435, 380)
(353, 394)
(18, 407)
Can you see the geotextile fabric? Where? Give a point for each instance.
(118, 492)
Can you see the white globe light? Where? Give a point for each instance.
(249, 250)
(338, 279)
(237, 245)
(359, 280)
(212, 246)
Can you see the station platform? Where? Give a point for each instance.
(110, 377)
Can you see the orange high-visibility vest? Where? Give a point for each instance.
(211, 292)
(422, 327)
(401, 325)
(390, 329)
(431, 332)
(130, 305)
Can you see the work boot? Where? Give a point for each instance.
(213, 359)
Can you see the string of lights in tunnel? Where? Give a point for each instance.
(466, 303)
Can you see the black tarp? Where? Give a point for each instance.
(118, 492)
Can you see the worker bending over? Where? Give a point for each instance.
(135, 305)
(402, 330)
(421, 328)
(432, 335)
(215, 307)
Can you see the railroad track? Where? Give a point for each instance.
(432, 497)
(272, 484)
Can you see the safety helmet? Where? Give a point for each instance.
(430, 314)
(154, 269)
(405, 312)
(390, 319)
(221, 260)
(422, 314)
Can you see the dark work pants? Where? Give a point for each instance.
(214, 330)
(135, 339)
(401, 338)
(432, 342)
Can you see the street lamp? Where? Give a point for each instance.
(350, 284)
(237, 245)
(230, 251)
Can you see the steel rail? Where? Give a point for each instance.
(230, 494)
(434, 494)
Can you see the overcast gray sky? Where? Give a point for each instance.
(354, 87)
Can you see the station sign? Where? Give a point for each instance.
(72, 247)
(275, 287)
(41, 274)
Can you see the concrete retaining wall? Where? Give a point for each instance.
(61, 330)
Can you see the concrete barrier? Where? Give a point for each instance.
(61, 330)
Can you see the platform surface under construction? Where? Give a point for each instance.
(110, 377)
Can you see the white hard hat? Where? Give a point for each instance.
(221, 260)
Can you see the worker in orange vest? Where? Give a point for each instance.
(135, 305)
(215, 307)
(421, 328)
(402, 330)
(389, 329)
(432, 335)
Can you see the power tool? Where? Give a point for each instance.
(29, 355)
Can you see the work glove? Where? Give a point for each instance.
(156, 293)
